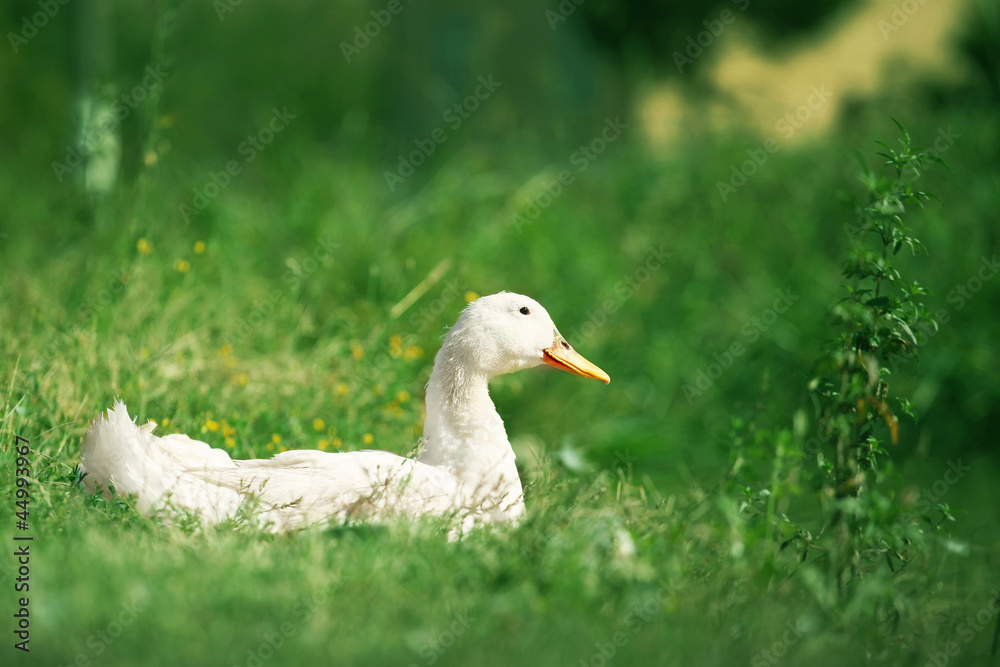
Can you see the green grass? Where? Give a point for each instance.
(706, 584)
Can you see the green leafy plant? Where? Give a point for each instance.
(855, 415)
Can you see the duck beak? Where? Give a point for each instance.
(561, 355)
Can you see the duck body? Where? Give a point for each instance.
(466, 468)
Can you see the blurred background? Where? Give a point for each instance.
(251, 177)
(253, 221)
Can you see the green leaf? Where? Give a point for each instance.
(902, 130)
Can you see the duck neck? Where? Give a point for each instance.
(463, 433)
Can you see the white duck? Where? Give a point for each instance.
(466, 468)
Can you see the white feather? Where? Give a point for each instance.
(466, 468)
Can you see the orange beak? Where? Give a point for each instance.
(562, 356)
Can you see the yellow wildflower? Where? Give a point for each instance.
(199, 247)
(210, 425)
(144, 246)
(413, 352)
(343, 389)
(275, 438)
(403, 396)
(357, 352)
(182, 265)
(319, 424)
(471, 296)
(324, 444)
(368, 438)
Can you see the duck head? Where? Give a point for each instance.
(507, 332)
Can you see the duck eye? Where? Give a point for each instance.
(524, 310)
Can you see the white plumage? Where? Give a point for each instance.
(466, 468)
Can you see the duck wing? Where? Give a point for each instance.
(291, 490)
